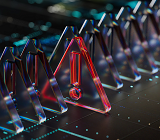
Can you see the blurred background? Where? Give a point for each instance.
(46, 19)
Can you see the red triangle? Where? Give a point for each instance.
(88, 83)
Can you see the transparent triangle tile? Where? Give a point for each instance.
(100, 55)
(20, 87)
(136, 41)
(69, 33)
(155, 7)
(42, 77)
(149, 28)
(118, 48)
(9, 118)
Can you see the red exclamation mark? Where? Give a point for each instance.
(75, 92)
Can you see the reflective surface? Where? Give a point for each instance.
(45, 83)
(68, 34)
(136, 41)
(118, 48)
(100, 55)
(24, 95)
(9, 118)
(150, 28)
(94, 96)
(155, 7)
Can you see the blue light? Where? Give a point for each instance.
(57, 37)
(44, 27)
(156, 76)
(74, 134)
(38, 1)
(93, 11)
(31, 24)
(98, 16)
(45, 108)
(20, 42)
(28, 119)
(131, 86)
(6, 129)
(109, 7)
(49, 24)
(30, 1)
(132, 4)
(7, 38)
(13, 35)
(76, 14)
(4, 132)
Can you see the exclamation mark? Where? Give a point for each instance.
(75, 92)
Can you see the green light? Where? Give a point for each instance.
(109, 7)
(76, 14)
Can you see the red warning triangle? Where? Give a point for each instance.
(78, 79)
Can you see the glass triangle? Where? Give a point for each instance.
(100, 55)
(45, 83)
(9, 118)
(87, 92)
(68, 34)
(155, 7)
(136, 42)
(25, 97)
(119, 50)
(150, 29)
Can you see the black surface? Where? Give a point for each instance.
(133, 116)
(135, 108)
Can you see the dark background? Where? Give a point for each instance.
(23, 19)
(135, 113)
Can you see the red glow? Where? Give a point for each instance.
(84, 53)
(44, 93)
